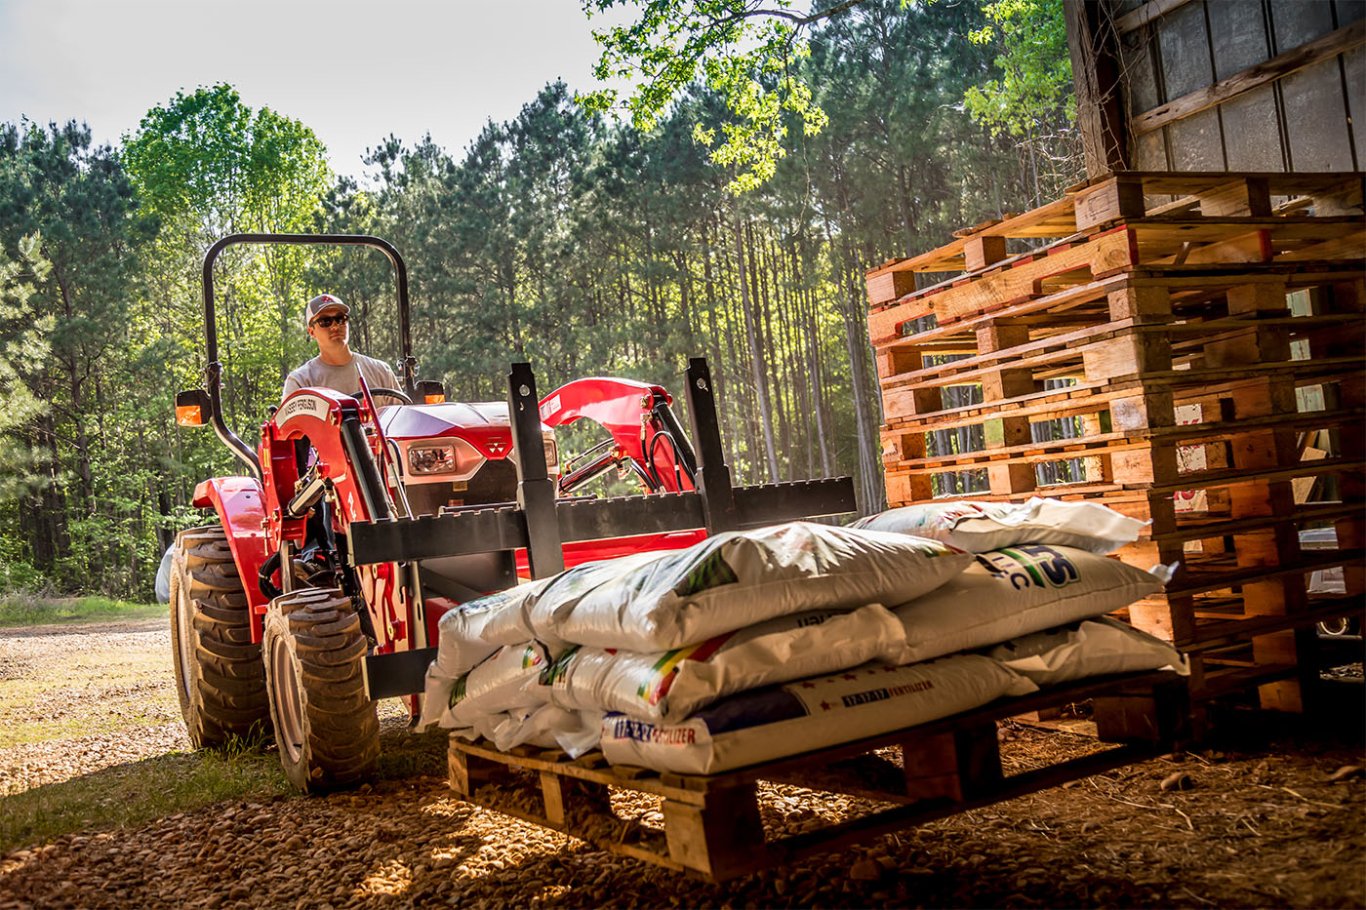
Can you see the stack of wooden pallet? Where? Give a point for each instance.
(1187, 349)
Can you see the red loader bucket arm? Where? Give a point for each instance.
(643, 428)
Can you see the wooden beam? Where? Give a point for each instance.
(1148, 12)
(1334, 43)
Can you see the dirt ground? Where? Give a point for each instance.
(1275, 823)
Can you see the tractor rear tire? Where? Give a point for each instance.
(220, 677)
(325, 724)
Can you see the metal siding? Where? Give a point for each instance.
(1355, 63)
(1301, 122)
(1317, 125)
(1349, 11)
(1300, 21)
(1195, 143)
(1185, 50)
(1139, 73)
(1238, 35)
(1151, 151)
(1251, 140)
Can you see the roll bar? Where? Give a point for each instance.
(213, 372)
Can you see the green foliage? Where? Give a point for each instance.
(29, 610)
(207, 165)
(101, 321)
(752, 53)
(1033, 93)
(206, 159)
(588, 247)
(745, 51)
(76, 197)
(25, 342)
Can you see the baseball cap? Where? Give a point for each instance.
(320, 303)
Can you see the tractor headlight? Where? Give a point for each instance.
(432, 459)
(552, 455)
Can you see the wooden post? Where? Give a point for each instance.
(720, 839)
(470, 772)
(1000, 385)
(957, 766)
(1096, 78)
(981, 251)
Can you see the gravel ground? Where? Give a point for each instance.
(1243, 828)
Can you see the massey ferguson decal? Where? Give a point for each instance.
(306, 404)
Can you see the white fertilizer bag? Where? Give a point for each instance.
(1091, 648)
(501, 617)
(436, 697)
(548, 727)
(1014, 591)
(670, 685)
(498, 684)
(798, 717)
(981, 526)
(559, 594)
(461, 645)
(737, 579)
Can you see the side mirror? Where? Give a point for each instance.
(192, 408)
(430, 391)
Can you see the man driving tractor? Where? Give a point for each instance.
(326, 319)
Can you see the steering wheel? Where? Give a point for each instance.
(380, 390)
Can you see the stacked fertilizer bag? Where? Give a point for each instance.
(757, 645)
(658, 636)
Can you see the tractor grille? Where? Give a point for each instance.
(495, 482)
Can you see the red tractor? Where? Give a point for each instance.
(318, 587)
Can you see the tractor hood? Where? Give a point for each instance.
(484, 424)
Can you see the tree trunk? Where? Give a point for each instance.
(758, 371)
(867, 400)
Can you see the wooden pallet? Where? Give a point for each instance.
(1075, 266)
(1226, 210)
(714, 828)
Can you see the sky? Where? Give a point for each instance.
(353, 72)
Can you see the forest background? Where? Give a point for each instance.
(562, 237)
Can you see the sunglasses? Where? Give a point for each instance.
(326, 322)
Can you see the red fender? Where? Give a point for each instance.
(623, 407)
(241, 510)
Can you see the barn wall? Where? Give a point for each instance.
(1211, 85)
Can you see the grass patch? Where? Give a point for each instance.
(62, 688)
(74, 726)
(134, 794)
(26, 610)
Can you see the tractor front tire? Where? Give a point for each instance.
(220, 678)
(325, 724)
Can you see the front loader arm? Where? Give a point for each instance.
(345, 472)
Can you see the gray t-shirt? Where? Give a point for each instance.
(344, 379)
